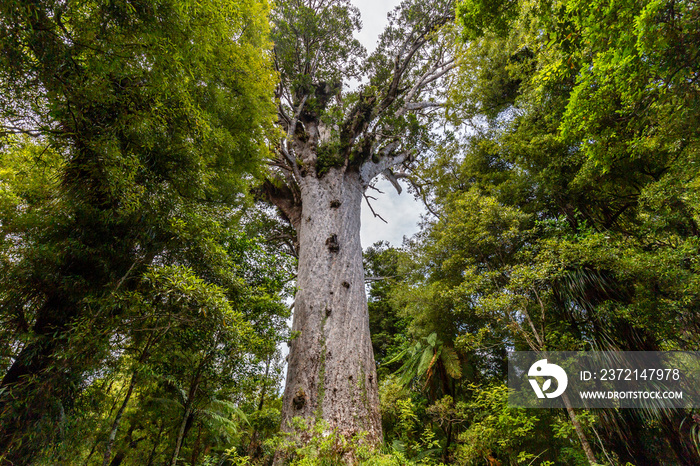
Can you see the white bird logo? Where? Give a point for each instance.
(542, 369)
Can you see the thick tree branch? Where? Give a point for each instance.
(284, 199)
(370, 169)
(403, 64)
(292, 166)
(422, 105)
(389, 175)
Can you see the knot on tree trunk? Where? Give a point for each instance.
(332, 243)
(300, 399)
(335, 203)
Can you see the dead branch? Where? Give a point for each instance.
(373, 212)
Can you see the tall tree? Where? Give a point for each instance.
(570, 221)
(335, 143)
(153, 114)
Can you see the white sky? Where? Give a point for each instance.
(401, 212)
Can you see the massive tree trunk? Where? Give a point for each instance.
(336, 142)
(331, 373)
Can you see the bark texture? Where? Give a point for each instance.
(331, 373)
(335, 143)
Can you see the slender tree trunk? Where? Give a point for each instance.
(254, 444)
(331, 373)
(92, 452)
(122, 408)
(197, 444)
(181, 432)
(188, 410)
(152, 456)
(538, 346)
(264, 387)
(117, 421)
(579, 430)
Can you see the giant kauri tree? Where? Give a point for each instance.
(336, 142)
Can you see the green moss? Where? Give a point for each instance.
(327, 157)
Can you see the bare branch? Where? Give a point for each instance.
(402, 64)
(371, 209)
(295, 119)
(290, 160)
(447, 67)
(379, 279)
(421, 192)
(422, 105)
(431, 75)
(400, 68)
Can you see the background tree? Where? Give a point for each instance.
(568, 203)
(388, 327)
(146, 118)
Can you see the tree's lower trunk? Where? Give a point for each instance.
(195, 449)
(117, 420)
(152, 456)
(579, 431)
(181, 433)
(448, 442)
(331, 374)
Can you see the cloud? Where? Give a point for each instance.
(402, 213)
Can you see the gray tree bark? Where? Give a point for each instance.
(331, 374)
(335, 144)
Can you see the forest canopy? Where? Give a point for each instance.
(173, 173)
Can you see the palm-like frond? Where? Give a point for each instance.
(425, 358)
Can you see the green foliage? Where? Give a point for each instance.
(324, 448)
(478, 17)
(196, 361)
(141, 301)
(327, 157)
(381, 263)
(299, 30)
(563, 215)
(495, 429)
(431, 359)
(130, 134)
